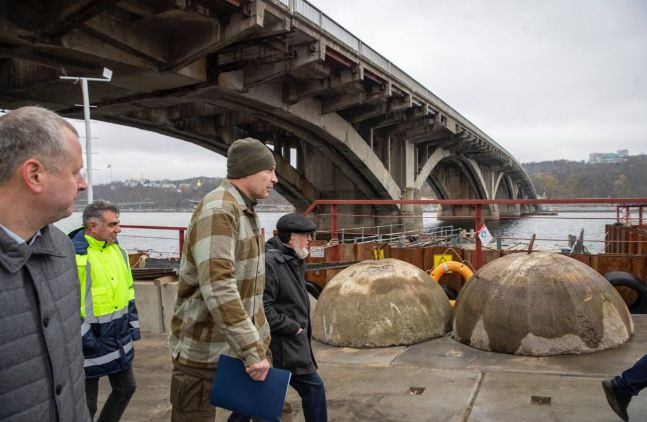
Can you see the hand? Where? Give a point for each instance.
(299, 332)
(258, 371)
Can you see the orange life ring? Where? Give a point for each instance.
(460, 268)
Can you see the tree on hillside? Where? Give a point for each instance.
(572, 179)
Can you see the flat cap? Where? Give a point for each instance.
(295, 223)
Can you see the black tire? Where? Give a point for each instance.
(623, 279)
(449, 291)
(313, 289)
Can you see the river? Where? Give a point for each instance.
(552, 231)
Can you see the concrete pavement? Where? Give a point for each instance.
(460, 383)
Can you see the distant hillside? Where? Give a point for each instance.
(572, 179)
(176, 195)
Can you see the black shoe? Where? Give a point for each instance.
(617, 398)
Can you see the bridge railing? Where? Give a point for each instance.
(336, 31)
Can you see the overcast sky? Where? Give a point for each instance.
(547, 80)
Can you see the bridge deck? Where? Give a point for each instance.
(460, 383)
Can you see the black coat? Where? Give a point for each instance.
(287, 308)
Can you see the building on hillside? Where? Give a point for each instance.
(609, 157)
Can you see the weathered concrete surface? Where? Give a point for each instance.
(446, 353)
(381, 303)
(508, 397)
(149, 306)
(540, 304)
(367, 385)
(168, 294)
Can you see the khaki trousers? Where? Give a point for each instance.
(190, 390)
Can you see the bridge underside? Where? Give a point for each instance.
(340, 125)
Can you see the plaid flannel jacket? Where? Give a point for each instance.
(219, 305)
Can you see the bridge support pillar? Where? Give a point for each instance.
(510, 210)
(449, 212)
(411, 214)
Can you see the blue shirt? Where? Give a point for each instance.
(19, 239)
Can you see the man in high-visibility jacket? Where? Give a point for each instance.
(109, 317)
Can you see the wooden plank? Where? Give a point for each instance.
(167, 279)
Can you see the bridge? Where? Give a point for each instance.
(343, 121)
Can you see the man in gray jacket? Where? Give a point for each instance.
(287, 309)
(41, 370)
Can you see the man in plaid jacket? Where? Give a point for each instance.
(219, 305)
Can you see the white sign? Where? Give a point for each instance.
(317, 252)
(484, 235)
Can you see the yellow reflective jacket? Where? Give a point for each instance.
(110, 321)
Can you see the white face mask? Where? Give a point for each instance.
(302, 253)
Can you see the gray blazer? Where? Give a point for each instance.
(41, 365)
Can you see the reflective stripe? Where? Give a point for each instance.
(85, 326)
(134, 324)
(102, 360)
(102, 319)
(89, 306)
(125, 255)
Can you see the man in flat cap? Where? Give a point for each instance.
(219, 305)
(287, 308)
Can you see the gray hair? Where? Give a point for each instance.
(32, 132)
(95, 211)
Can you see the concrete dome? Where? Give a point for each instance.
(381, 303)
(540, 304)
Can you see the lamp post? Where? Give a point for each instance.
(107, 77)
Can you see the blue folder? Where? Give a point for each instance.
(233, 389)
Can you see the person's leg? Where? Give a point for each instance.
(237, 417)
(313, 396)
(190, 395)
(123, 387)
(634, 379)
(620, 389)
(91, 394)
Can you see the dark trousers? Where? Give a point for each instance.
(633, 379)
(313, 398)
(123, 388)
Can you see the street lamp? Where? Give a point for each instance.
(106, 77)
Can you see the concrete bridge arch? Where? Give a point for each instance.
(278, 70)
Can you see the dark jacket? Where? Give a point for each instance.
(41, 370)
(287, 308)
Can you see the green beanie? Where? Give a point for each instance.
(248, 156)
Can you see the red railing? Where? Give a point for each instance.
(478, 214)
(627, 212)
(621, 203)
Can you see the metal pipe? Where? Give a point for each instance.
(333, 229)
(479, 250)
(88, 138)
(181, 239)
